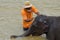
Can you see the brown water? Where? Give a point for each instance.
(11, 19)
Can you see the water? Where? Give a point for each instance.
(11, 19)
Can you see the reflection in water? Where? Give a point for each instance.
(32, 38)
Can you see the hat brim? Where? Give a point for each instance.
(28, 6)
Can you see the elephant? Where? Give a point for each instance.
(43, 24)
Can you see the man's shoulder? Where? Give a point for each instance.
(22, 10)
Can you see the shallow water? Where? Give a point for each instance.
(11, 19)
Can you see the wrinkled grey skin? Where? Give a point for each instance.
(40, 24)
(54, 28)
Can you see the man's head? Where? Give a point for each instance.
(27, 6)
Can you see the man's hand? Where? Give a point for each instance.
(38, 13)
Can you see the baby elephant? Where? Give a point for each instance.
(38, 27)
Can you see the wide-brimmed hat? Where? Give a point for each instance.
(27, 4)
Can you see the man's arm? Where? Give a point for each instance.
(35, 10)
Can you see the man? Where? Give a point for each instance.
(27, 14)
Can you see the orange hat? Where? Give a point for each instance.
(27, 4)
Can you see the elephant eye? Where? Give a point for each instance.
(45, 22)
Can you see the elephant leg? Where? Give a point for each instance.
(51, 35)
